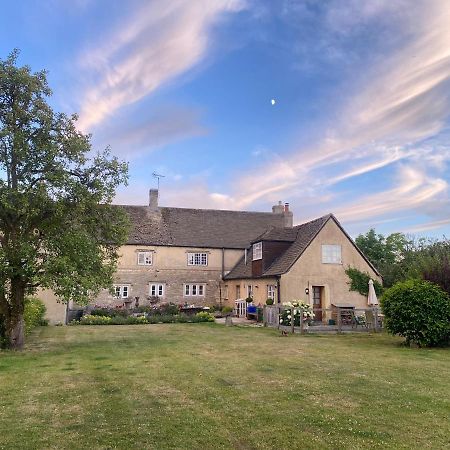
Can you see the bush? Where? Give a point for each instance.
(34, 313)
(249, 299)
(93, 320)
(419, 311)
(227, 310)
(166, 309)
(203, 317)
(110, 312)
(107, 320)
(298, 306)
(132, 320)
(269, 301)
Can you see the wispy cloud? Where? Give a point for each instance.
(135, 138)
(158, 43)
(413, 190)
(404, 101)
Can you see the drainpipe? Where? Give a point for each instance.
(223, 274)
(278, 289)
(223, 262)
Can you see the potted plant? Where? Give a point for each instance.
(269, 301)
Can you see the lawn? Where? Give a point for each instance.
(207, 386)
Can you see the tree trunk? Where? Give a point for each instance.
(15, 332)
(14, 317)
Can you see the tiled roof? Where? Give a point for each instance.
(303, 235)
(197, 227)
(278, 234)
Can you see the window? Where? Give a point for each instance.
(250, 291)
(238, 291)
(331, 254)
(121, 290)
(271, 289)
(197, 259)
(145, 258)
(157, 289)
(194, 290)
(257, 251)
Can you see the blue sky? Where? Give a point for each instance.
(360, 125)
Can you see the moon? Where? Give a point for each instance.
(272, 101)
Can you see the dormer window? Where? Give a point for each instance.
(257, 251)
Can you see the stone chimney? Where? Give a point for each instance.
(288, 216)
(153, 199)
(278, 209)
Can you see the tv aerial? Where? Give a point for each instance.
(158, 176)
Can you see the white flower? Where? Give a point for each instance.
(289, 316)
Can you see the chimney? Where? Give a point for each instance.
(153, 199)
(288, 216)
(278, 209)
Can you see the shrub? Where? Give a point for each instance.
(227, 310)
(298, 306)
(203, 317)
(104, 312)
(269, 301)
(107, 320)
(359, 282)
(93, 320)
(132, 320)
(249, 299)
(144, 309)
(34, 313)
(419, 311)
(110, 312)
(164, 309)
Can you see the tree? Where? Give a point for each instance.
(387, 254)
(58, 229)
(431, 262)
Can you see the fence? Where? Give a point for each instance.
(334, 319)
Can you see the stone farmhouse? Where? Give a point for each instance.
(216, 257)
(306, 262)
(179, 255)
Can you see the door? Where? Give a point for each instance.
(317, 302)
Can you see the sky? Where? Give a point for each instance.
(359, 125)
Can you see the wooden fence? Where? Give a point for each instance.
(334, 319)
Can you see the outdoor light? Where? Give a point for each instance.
(307, 291)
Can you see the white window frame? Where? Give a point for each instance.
(122, 290)
(257, 251)
(331, 254)
(194, 290)
(144, 258)
(197, 258)
(271, 291)
(159, 288)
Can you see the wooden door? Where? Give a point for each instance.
(317, 302)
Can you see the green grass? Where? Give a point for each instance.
(205, 386)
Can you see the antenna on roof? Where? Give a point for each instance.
(158, 176)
